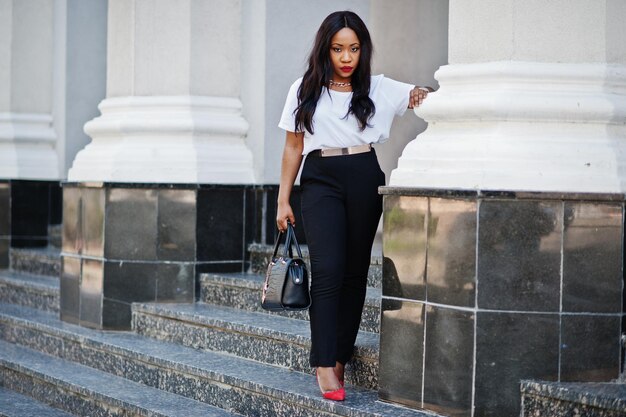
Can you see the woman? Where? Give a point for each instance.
(332, 115)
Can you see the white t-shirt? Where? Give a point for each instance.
(333, 130)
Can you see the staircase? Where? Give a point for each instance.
(222, 356)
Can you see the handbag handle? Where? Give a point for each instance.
(289, 240)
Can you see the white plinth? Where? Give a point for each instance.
(521, 126)
(27, 147)
(166, 139)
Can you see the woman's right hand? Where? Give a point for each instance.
(284, 213)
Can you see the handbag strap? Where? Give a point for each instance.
(291, 237)
(290, 234)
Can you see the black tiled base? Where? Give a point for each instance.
(481, 290)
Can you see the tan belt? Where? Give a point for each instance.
(343, 151)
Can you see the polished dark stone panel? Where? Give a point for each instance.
(91, 293)
(592, 258)
(5, 209)
(175, 283)
(5, 243)
(72, 220)
(451, 266)
(116, 314)
(401, 352)
(55, 216)
(220, 224)
(131, 224)
(92, 222)
(70, 289)
(449, 361)
(177, 225)
(519, 255)
(511, 347)
(404, 247)
(271, 195)
(590, 348)
(253, 206)
(130, 281)
(234, 266)
(30, 208)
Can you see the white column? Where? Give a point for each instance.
(534, 99)
(27, 139)
(172, 112)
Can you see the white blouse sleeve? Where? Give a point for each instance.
(397, 94)
(288, 118)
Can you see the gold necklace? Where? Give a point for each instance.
(339, 84)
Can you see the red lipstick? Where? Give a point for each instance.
(346, 69)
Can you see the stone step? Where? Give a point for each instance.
(35, 291)
(243, 291)
(582, 399)
(13, 404)
(37, 261)
(235, 384)
(85, 391)
(269, 339)
(260, 255)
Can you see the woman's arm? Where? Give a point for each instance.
(417, 96)
(292, 158)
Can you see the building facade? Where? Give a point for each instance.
(148, 130)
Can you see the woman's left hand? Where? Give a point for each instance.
(418, 95)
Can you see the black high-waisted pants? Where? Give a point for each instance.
(340, 211)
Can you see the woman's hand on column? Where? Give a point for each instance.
(418, 95)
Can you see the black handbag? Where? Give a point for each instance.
(286, 284)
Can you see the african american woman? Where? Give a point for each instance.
(333, 115)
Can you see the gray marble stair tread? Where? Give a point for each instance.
(268, 380)
(48, 251)
(13, 404)
(603, 395)
(260, 324)
(100, 385)
(255, 281)
(40, 282)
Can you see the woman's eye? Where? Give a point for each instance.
(337, 49)
(355, 49)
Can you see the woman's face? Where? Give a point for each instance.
(345, 50)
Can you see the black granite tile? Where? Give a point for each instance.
(91, 293)
(218, 267)
(402, 352)
(131, 281)
(70, 289)
(5, 243)
(131, 224)
(175, 283)
(254, 201)
(451, 265)
(511, 347)
(92, 222)
(449, 358)
(404, 247)
(30, 201)
(590, 348)
(592, 258)
(5, 209)
(116, 315)
(176, 225)
(55, 215)
(271, 196)
(519, 255)
(72, 220)
(220, 224)
(29, 242)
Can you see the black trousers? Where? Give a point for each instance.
(341, 208)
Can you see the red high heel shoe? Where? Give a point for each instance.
(336, 395)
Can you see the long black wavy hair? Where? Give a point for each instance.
(321, 71)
